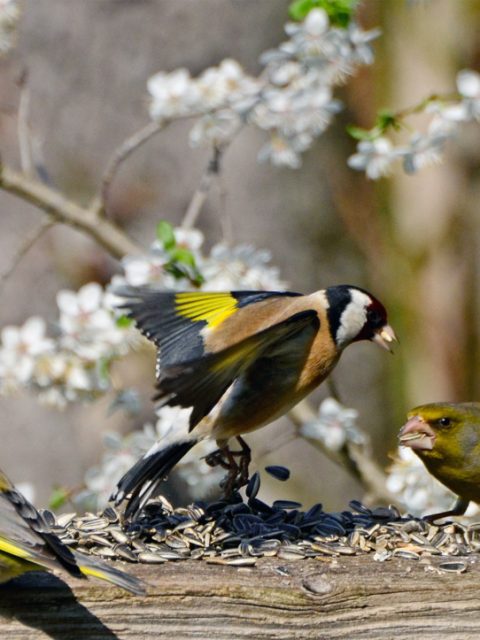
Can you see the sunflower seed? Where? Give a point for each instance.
(253, 485)
(277, 472)
(454, 567)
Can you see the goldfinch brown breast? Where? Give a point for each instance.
(241, 359)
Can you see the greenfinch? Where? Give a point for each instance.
(27, 543)
(240, 359)
(446, 438)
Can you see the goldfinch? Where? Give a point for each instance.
(240, 360)
(446, 438)
(27, 543)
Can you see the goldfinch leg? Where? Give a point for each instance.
(231, 481)
(217, 459)
(245, 459)
(458, 509)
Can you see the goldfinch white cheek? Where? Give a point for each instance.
(353, 317)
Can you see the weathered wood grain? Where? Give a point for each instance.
(353, 597)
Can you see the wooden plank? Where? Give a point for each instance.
(352, 597)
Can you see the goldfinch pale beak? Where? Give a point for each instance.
(417, 434)
(384, 337)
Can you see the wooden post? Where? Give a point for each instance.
(354, 598)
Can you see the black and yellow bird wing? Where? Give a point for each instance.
(24, 532)
(176, 322)
(27, 543)
(201, 383)
(182, 324)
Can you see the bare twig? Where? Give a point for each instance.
(28, 243)
(23, 127)
(119, 156)
(225, 218)
(63, 210)
(200, 195)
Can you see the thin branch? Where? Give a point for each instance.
(119, 156)
(23, 127)
(63, 210)
(24, 249)
(225, 219)
(201, 193)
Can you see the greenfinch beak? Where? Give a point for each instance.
(384, 337)
(417, 434)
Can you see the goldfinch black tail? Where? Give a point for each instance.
(140, 482)
(91, 567)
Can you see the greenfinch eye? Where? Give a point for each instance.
(444, 422)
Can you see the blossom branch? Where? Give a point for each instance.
(119, 156)
(24, 249)
(201, 193)
(64, 211)
(23, 127)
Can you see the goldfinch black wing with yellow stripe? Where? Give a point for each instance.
(26, 538)
(174, 321)
(189, 375)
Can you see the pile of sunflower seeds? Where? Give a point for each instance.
(239, 531)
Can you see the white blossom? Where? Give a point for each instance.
(9, 16)
(146, 268)
(468, 84)
(424, 151)
(20, 348)
(292, 98)
(173, 94)
(334, 426)
(215, 128)
(240, 267)
(191, 239)
(375, 157)
(88, 327)
(417, 490)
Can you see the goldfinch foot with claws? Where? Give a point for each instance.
(240, 360)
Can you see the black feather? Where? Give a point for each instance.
(36, 522)
(149, 470)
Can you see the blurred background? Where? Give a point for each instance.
(412, 240)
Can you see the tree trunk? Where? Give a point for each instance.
(353, 597)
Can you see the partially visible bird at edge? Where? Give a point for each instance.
(240, 360)
(27, 543)
(446, 438)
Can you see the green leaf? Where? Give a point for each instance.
(299, 9)
(59, 497)
(166, 235)
(184, 256)
(340, 12)
(387, 120)
(361, 134)
(123, 322)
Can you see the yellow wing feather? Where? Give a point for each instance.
(8, 547)
(213, 308)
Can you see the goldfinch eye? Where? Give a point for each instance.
(374, 317)
(444, 422)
